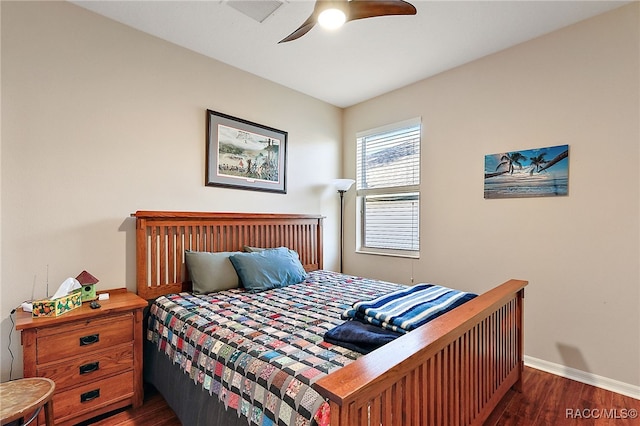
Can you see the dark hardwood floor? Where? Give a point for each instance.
(546, 399)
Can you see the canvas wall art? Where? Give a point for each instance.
(539, 172)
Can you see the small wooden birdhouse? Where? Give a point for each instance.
(88, 283)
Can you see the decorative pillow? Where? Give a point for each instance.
(267, 269)
(211, 272)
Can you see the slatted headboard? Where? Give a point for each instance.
(162, 238)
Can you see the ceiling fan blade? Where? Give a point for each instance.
(302, 29)
(308, 24)
(360, 9)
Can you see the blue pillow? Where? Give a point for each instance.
(266, 269)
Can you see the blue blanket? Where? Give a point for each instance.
(360, 336)
(406, 309)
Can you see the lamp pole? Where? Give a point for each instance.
(341, 192)
(342, 185)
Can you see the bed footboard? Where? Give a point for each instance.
(452, 371)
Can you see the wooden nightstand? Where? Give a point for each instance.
(93, 355)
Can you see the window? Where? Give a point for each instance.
(387, 183)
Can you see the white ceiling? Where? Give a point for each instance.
(365, 58)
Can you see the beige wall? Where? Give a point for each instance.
(578, 86)
(2, 321)
(100, 120)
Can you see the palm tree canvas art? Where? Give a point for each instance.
(539, 172)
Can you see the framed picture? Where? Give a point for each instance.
(539, 172)
(245, 155)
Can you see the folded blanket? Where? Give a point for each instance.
(406, 309)
(359, 336)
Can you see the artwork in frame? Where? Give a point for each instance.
(539, 172)
(245, 155)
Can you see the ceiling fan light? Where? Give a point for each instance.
(332, 19)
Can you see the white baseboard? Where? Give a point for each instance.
(584, 377)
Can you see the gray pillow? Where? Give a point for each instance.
(251, 249)
(210, 272)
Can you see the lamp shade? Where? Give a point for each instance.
(343, 184)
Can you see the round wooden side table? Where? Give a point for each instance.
(25, 396)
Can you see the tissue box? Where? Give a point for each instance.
(59, 306)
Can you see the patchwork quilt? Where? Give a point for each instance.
(259, 353)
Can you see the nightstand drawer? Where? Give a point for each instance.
(92, 396)
(86, 337)
(90, 367)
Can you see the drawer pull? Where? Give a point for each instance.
(89, 340)
(89, 396)
(89, 368)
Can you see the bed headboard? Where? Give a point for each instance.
(162, 238)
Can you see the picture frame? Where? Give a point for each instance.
(241, 154)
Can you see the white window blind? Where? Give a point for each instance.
(388, 179)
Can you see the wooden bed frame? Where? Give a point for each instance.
(452, 371)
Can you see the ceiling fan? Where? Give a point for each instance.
(333, 13)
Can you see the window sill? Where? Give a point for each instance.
(392, 253)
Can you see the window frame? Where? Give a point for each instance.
(361, 193)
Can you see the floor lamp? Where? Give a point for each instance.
(342, 185)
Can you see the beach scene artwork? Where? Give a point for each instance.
(248, 156)
(538, 172)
